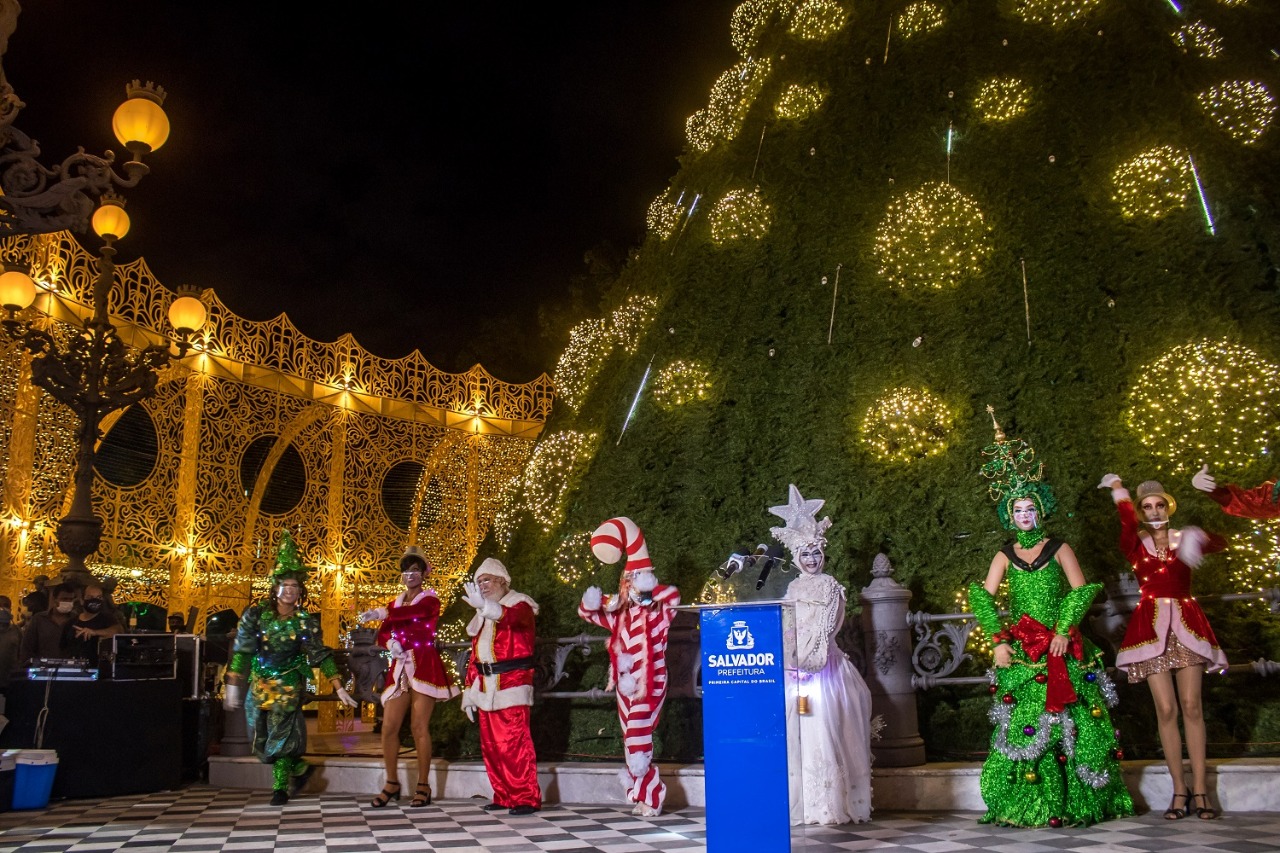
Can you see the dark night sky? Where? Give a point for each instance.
(426, 176)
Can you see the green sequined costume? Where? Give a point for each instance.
(277, 656)
(1043, 767)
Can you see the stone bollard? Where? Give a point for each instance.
(887, 641)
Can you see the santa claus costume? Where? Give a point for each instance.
(638, 620)
(499, 685)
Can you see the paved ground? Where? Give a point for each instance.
(202, 819)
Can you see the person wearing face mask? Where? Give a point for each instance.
(1169, 643)
(416, 678)
(1053, 758)
(278, 642)
(10, 643)
(93, 623)
(829, 766)
(43, 635)
(638, 620)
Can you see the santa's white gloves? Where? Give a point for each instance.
(592, 598)
(233, 696)
(397, 650)
(375, 615)
(345, 698)
(470, 711)
(471, 595)
(1204, 481)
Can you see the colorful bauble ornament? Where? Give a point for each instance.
(1097, 712)
(1031, 776)
(1091, 676)
(1055, 822)
(1062, 757)
(1041, 678)
(993, 690)
(1007, 699)
(1029, 731)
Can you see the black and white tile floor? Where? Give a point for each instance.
(203, 819)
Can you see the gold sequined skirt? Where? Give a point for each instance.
(1175, 656)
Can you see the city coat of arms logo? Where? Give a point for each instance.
(739, 637)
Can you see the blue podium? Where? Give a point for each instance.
(745, 658)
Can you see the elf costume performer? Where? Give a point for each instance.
(1053, 758)
(277, 645)
(499, 686)
(638, 619)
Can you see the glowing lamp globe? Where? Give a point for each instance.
(17, 290)
(110, 222)
(187, 314)
(140, 123)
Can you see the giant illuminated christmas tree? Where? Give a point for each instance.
(892, 214)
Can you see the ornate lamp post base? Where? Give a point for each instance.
(78, 537)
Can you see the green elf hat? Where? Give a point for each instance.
(288, 563)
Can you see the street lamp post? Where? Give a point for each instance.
(94, 373)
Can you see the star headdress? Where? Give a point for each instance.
(802, 526)
(288, 563)
(1015, 475)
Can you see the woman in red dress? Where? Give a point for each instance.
(416, 677)
(1169, 638)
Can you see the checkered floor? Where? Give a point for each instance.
(201, 819)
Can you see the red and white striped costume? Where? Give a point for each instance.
(638, 623)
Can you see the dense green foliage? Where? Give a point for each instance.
(1107, 295)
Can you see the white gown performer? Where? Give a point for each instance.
(638, 619)
(830, 768)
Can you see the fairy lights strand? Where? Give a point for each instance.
(933, 238)
(918, 19)
(817, 20)
(1002, 98)
(1055, 13)
(1199, 39)
(798, 102)
(1153, 184)
(573, 559)
(679, 383)
(1243, 108)
(907, 424)
(1207, 402)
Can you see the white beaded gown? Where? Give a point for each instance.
(829, 769)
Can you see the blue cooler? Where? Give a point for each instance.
(33, 778)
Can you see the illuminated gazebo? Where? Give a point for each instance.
(257, 428)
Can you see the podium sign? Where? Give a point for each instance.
(744, 728)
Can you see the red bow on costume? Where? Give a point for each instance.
(1035, 639)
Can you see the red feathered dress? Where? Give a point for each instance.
(413, 625)
(1166, 616)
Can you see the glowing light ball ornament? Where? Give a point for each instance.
(1153, 184)
(1208, 402)
(798, 102)
(631, 319)
(907, 424)
(573, 559)
(1055, 13)
(1243, 108)
(920, 18)
(547, 476)
(1002, 98)
(932, 238)
(740, 215)
(681, 382)
(589, 344)
(662, 217)
(1198, 39)
(1255, 558)
(752, 20)
(817, 20)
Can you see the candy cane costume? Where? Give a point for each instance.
(638, 619)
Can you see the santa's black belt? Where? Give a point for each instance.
(505, 666)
